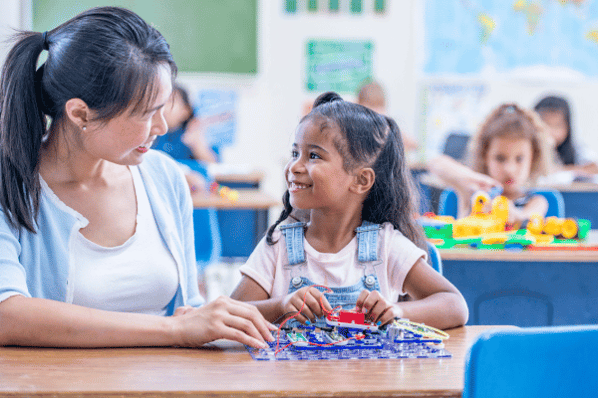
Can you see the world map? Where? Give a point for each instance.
(481, 36)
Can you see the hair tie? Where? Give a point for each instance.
(45, 45)
(510, 109)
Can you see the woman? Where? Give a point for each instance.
(96, 241)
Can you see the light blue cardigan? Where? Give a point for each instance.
(41, 264)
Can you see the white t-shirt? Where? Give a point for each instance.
(138, 276)
(268, 265)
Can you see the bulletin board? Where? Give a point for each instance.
(340, 66)
(204, 35)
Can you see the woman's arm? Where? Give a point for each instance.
(48, 323)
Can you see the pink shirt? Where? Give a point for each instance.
(268, 265)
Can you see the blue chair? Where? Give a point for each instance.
(434, 258)
(208, 242)
(448, 204)
(455, 145)
(533, 362)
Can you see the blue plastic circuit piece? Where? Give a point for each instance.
(344, 343)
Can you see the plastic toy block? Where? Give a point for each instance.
(350, 319)
(440, 232)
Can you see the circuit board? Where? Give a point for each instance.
(345, 343)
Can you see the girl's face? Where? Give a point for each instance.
(315, 175)
(509, 161)
(125, 138)
(557, 125)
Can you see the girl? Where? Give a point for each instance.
(510, 148)
(556, 114)
(96, 244)
(348, 170)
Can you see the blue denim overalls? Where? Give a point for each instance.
(346, 297)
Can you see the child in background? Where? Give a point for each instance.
(510, 148)
(185, 139)
(371, 95)
(348, 169)
(556, 114)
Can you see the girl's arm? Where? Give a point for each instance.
(48, 323)
(251, 292)
(273, 309)
(537, 204)
(436, 301)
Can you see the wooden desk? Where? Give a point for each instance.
(225, 371)
(242, 222)
(529, 288)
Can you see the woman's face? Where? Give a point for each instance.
(557, 125)
(125, 138)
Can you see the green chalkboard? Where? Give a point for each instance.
(204, 35)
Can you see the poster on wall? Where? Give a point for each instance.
(452, 108)
(217, 111)
(340, 66)
(487, 36)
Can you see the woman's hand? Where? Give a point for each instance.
(223, 318)
(377, 309)
(312, 308)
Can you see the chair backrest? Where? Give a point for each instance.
(208, 244)
(434, 258)
(556, 203)
(533, 362)
(455, 145)
(448, 204)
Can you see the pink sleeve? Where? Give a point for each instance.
(402, 256)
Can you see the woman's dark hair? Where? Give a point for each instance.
(106, 56)
(372, 140)
(566, 150)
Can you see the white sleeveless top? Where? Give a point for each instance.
(138, 276)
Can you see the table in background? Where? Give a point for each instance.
(526, 288)
(238, 180)
(242, 222)
(226, 370)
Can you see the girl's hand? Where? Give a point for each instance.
(223, 318)
(377, 309)
(312, 308)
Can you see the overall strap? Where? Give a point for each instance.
(293, 235)
(367, 242)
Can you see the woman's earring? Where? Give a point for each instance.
(84, 128)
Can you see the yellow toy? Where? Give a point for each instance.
(481, 222)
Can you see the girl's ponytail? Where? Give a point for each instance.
(22, 128)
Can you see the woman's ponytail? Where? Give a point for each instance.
(22, 128)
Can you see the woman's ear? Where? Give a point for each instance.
(364, 179)
(77, 112)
